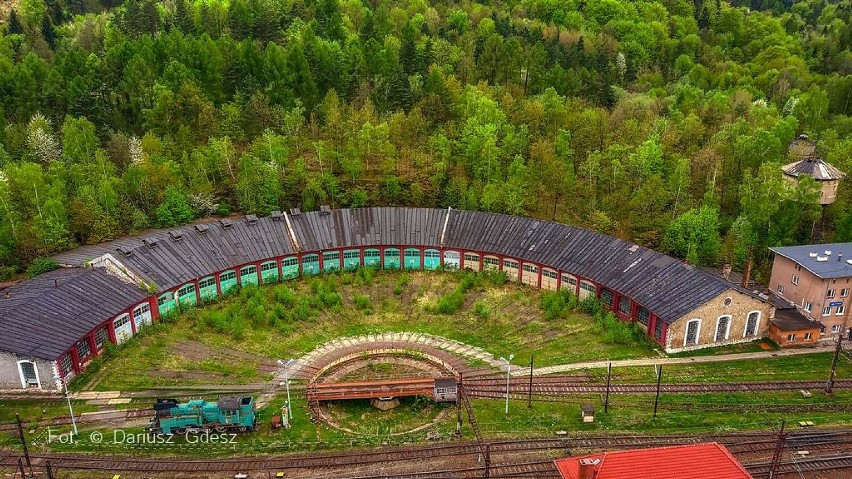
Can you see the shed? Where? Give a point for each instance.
(791, 328)
(446, 389)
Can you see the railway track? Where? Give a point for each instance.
(555, 388)
(797, 466)
(739, 443)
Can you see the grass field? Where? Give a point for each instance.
(235, 340)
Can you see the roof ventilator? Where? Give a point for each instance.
(325, 210)
(125, 250)
(822, 259)
(176, 235)
(276, 215)
(201, 229)
(295, 211)
(226, 223)
(150, 242)
(251, 219)
(812, 254)
(828, 252)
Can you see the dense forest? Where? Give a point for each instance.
(660, 121)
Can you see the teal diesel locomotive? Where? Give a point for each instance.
(230, 413)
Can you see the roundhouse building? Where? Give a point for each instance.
(110, 291)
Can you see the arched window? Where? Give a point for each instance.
(123, 329)
(452, 259)
(723, 327)
(29, 375)
(693, 329)
(752, 322)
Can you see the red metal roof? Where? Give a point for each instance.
(694, 461)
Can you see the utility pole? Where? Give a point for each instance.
(830, 384)
(24, 444)
(608, 376)
(487, 461)
(659, 380)
(779, 449)
(529, 392)
(459, 406)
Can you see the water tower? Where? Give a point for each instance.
(807, 162)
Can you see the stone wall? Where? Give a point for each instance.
(739, 308)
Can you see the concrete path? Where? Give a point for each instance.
(560, 368)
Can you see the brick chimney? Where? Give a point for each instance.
(588, 468)
(726, 271)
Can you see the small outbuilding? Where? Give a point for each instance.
(446, 389)
(807, 162)
(791, 328)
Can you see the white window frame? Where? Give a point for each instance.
(829, 293)
(781, 289)
(844, 292)
(826, 311)
(756, 324)
(840, 310)
(807, 306)
(835, 328)
(21, 373)
(697, 332)
(795, 279)
(727, 327)
(791, 337)
(808, 336)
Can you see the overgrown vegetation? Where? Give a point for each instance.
(662, 122)
(559, 304)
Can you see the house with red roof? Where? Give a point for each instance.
(693, 461)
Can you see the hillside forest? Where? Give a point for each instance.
(664, 122)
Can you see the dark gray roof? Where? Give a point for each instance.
(814, 167)
(791, 319)
(44, 316)
(663, 284)
(837, 257)
(171, 257)
(368, 226)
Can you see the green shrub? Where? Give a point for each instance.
(41, 265)
(481, 310)
(590, 305)
(555, 304)
(7, 272)
(450, 303)
(283, 295)
(363, 302)
(398, 290)
(497, 278)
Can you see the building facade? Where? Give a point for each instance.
(818, 280)
(106, 293)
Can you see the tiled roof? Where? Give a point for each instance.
(694, 461)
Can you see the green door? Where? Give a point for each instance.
(412, 258)
(186, 296)
(432, 259)
(166, 304)
(207, 288)
(351, 259)
(227, 281)
(248, 275)
(391, 258)
(372, 257)
(269, 272)
(310, 264)
(331, 261)
(290, 267)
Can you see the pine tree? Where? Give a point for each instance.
(47, 31)
(704, 19)
(15, 27)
